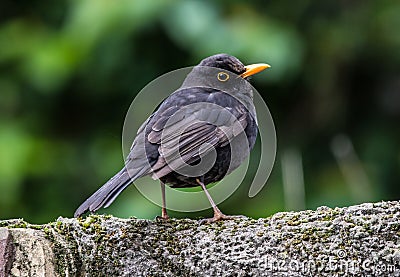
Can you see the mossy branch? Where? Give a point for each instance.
(359, 240)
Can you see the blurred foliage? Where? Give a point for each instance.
(69, 70)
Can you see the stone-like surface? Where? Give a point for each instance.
(33, 254)
(361, 240)
(6, 251)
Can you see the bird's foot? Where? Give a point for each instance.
(220, 216)
(164, 216)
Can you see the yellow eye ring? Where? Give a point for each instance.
(223, 76)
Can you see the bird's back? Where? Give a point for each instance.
(204, 116)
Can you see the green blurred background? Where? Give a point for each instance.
(70, 69)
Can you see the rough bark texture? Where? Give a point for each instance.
(360, 240)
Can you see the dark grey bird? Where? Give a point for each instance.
(199, 134)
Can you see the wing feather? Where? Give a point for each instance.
(193, 133)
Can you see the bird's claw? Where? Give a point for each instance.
(162, 218)
(219, 217)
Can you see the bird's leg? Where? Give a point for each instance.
(164, 214)
(218, 215)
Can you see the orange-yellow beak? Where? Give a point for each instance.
(253, 69)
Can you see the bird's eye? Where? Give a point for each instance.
(223, 76)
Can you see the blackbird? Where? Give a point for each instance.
(192, 138)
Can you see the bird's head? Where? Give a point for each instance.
(224, 72)
(233, 64)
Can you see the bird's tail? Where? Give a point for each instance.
(105, 195)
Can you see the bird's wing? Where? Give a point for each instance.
(188, 130)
